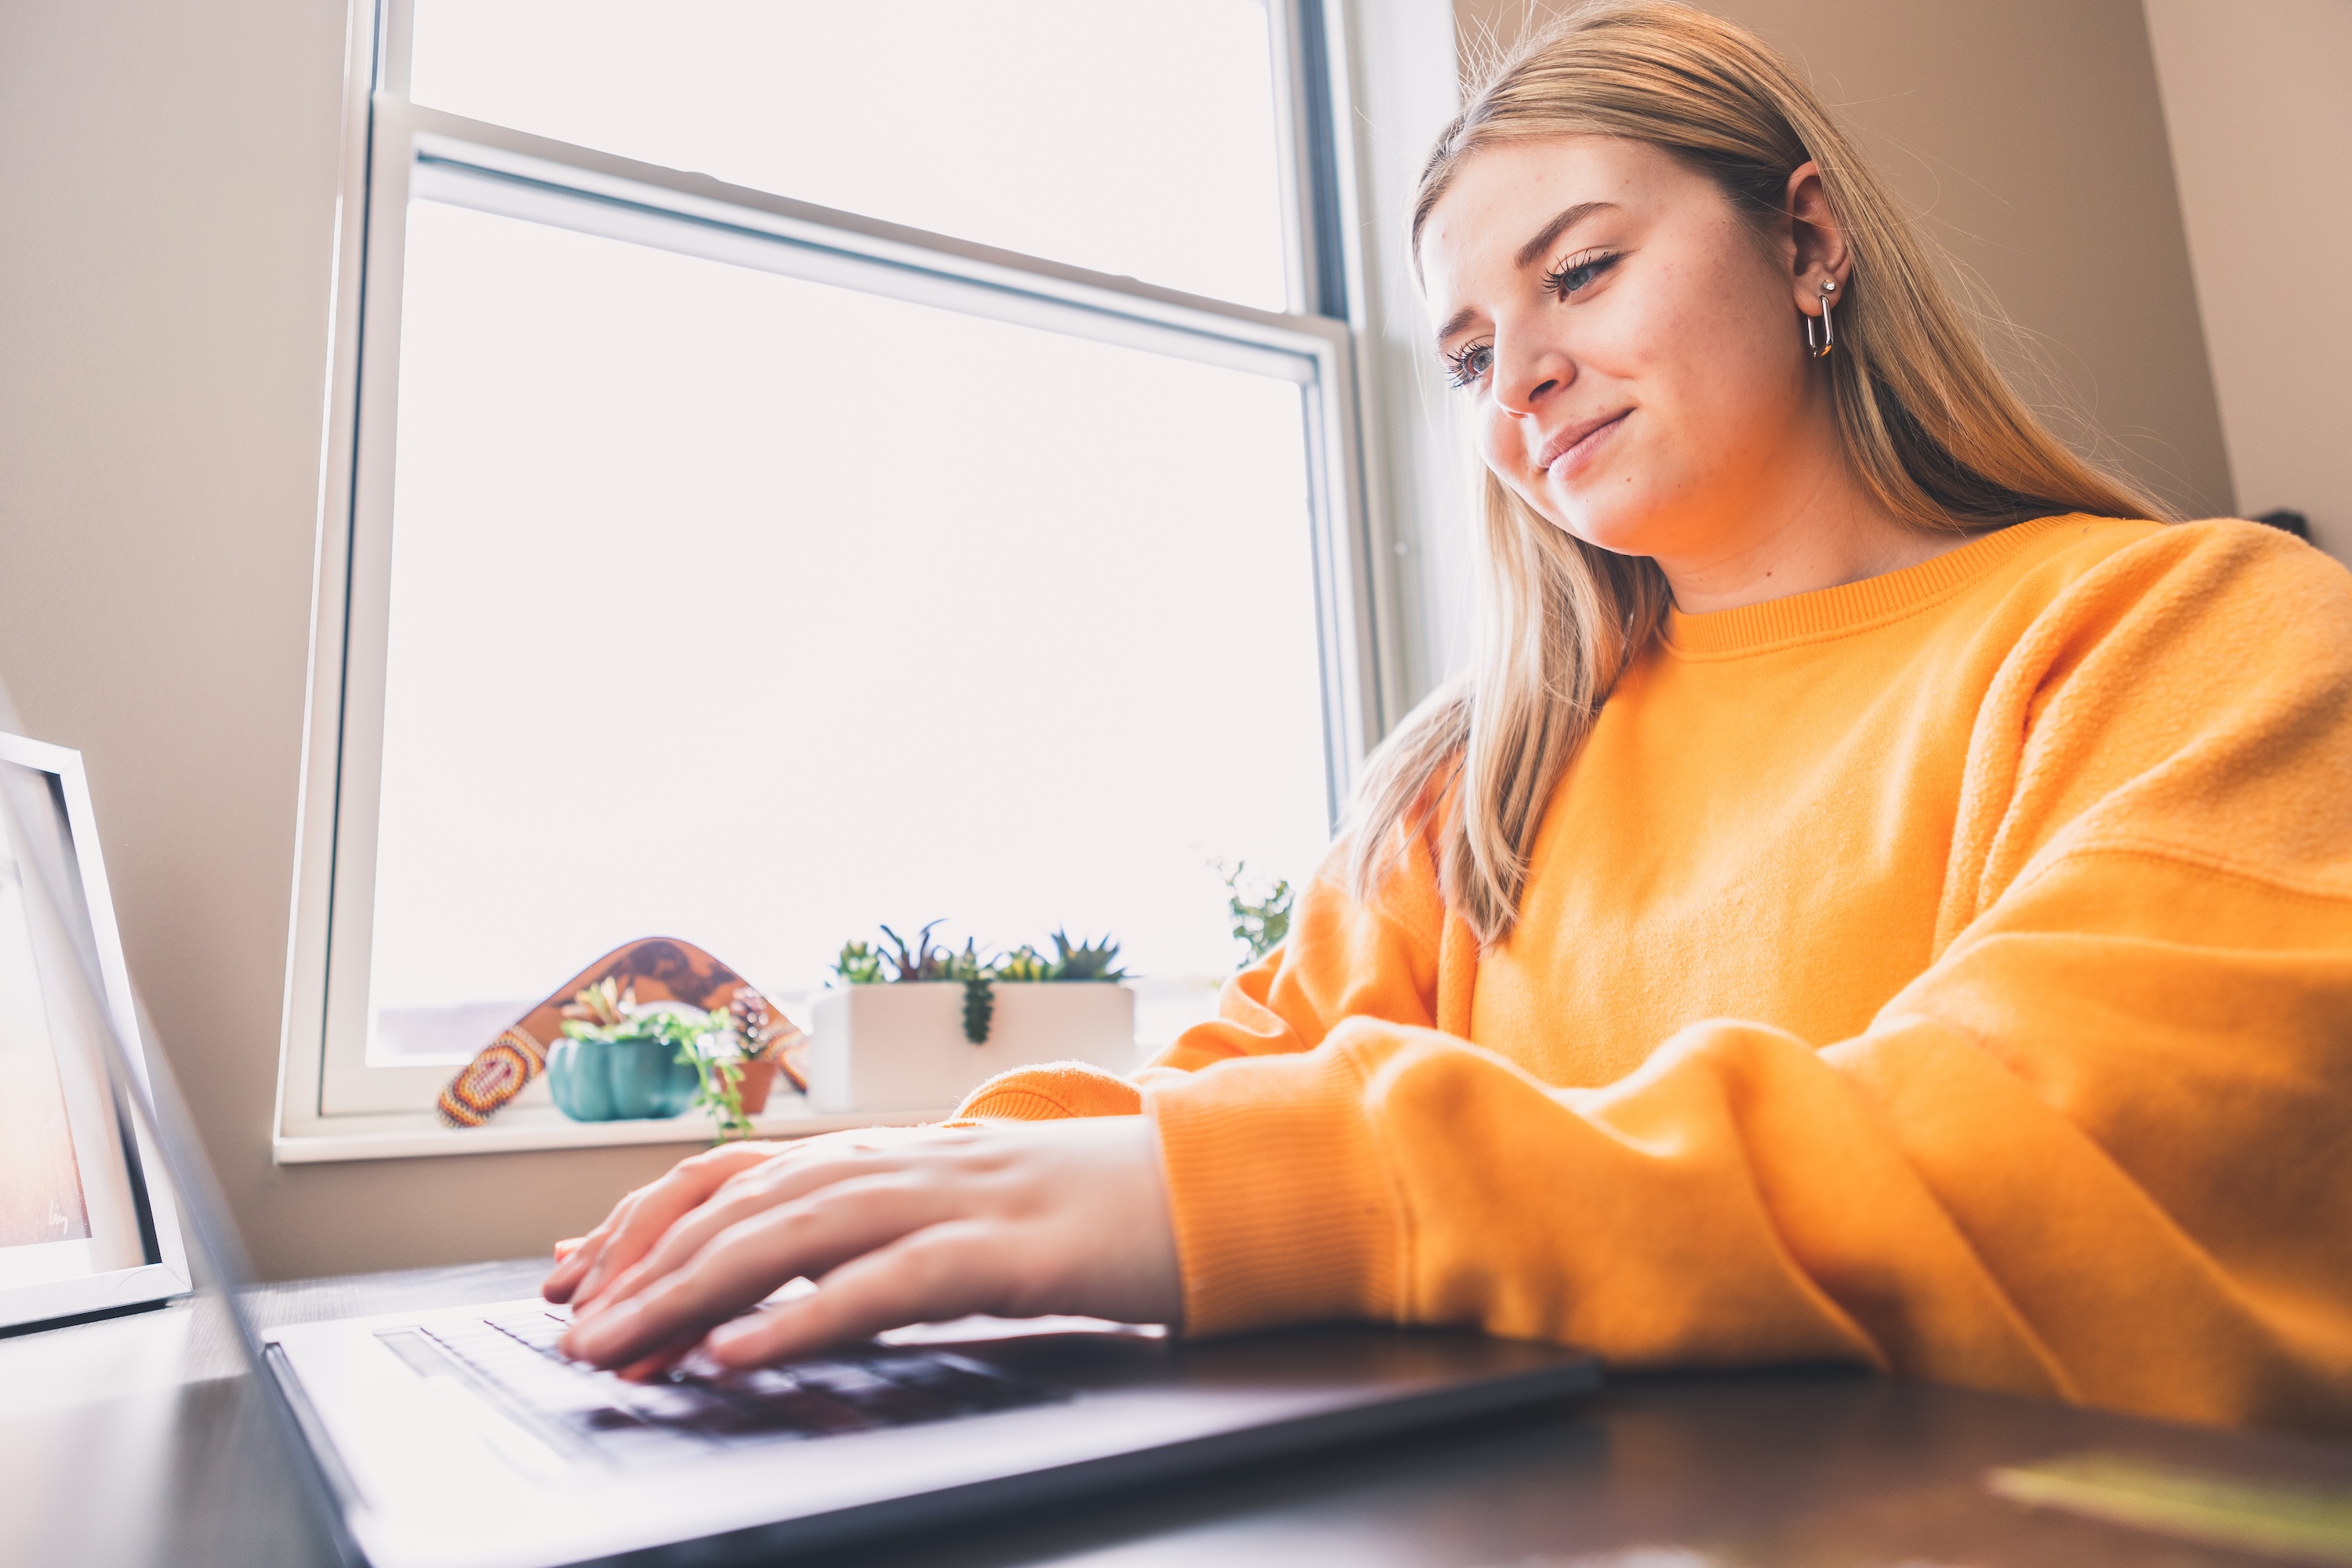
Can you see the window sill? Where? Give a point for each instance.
(522, 1129)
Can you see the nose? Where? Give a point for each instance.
(1528, 374)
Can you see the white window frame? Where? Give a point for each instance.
(331, 1104)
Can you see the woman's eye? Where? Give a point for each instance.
(1577, 272)
(1468, 366)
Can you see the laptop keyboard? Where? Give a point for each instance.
(859, 1391)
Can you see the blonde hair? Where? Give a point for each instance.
(1929, 424)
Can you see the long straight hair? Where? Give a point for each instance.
(1926, 422)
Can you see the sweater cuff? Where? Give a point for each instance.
(1282, 1209)
(1051, 1093)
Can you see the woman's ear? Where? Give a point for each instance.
(1819, 253)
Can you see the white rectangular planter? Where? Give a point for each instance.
(901, 1047)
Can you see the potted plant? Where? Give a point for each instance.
(1261, 911)
(622, 1061)
(764, 1045)
(912, 1024)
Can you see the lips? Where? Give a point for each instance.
(1567, 444)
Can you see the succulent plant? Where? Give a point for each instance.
(978, 978)
(1024, 964)
(858, 965)
(756, 1024)
(1085, 960)
(604, 1003)
(922, 960)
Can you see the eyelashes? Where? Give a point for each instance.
(1579, 271)
(1468, 364)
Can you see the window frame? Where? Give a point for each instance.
(331, 1103)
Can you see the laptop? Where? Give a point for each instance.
(460, 1438)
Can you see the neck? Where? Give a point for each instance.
(1809, 526)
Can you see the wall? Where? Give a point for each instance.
(2030, 137)
(2258, 95)
(168, 176)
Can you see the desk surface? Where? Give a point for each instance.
(137, 1440)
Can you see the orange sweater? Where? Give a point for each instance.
(1950, 971)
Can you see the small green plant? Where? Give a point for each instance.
(1085, 960)
(606, 1012)
(922, 959)
(1024, 964)
(719, 1091)
(1261, 914)
(979, 978)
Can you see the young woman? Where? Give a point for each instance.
(1872, 899)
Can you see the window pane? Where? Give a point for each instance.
(757, 612)
(1132, 137)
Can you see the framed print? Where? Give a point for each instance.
(86, 1219)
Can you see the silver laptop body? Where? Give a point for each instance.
(458, 1437)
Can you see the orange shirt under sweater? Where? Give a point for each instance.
(1950, 971)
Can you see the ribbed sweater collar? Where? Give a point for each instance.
(1851, 606)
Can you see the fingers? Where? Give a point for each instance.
(944, 1270)
(1068, 1217)
(638, 1220)
(652, 1363)
(748, 1261)
(642, 1217)
(748, 1194)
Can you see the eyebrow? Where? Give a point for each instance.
(1558, 225)
(1529, 253)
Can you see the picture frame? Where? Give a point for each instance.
(88, 1223)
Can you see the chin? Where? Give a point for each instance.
(1623, 525)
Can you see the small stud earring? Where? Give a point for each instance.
(1829, 332)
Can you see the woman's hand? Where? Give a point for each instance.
(1018, 1221)
(585, 1264)
(637, 1221)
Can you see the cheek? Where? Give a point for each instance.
(1498, 437)
(1502, 448)
(1668, 342)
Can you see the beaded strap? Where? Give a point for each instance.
(503, 1069)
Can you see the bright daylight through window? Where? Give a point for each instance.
(1128, 136)
(738, 602)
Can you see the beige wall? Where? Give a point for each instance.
(2029, 136)
(2258, 95)
(167, 207)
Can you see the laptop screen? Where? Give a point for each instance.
(108, 1191)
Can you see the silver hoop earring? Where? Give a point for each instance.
(1829, 331)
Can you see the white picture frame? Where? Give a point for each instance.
(88, 1223)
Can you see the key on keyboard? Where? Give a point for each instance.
(849, 1393)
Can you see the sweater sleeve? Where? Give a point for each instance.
(1401, 958)
(2100, 1148)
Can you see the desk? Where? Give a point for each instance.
(137, 1441)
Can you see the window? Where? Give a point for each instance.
(943, 504)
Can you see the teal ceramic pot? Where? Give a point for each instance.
(618, 1080)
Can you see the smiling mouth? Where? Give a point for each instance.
(1565, 452)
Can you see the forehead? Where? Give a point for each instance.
(1501, 196)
